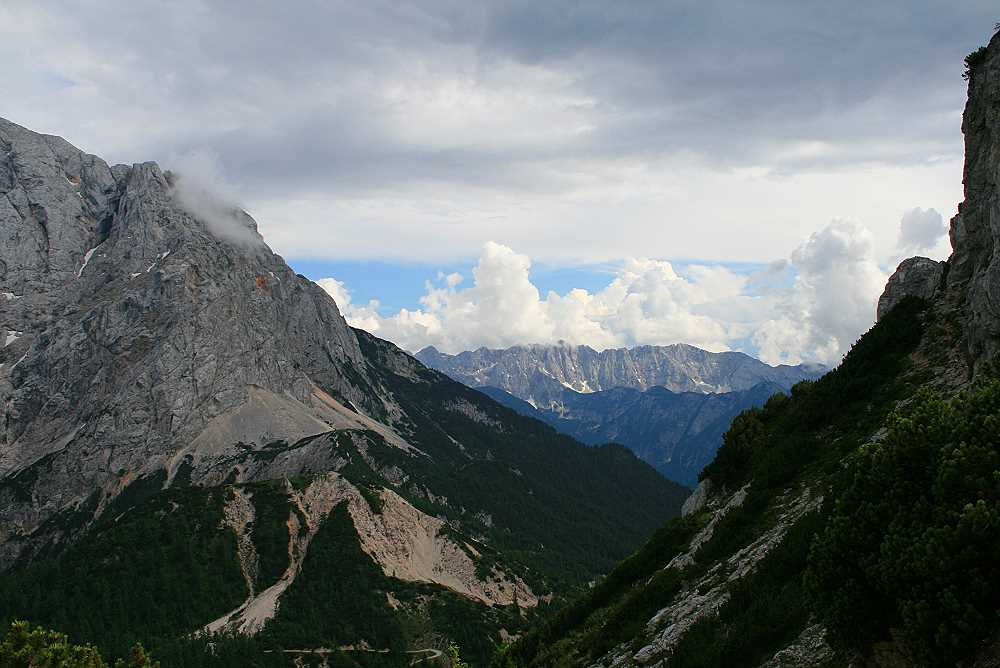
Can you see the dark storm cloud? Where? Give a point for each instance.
(302, 95)
(735, 81)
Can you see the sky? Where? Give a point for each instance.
(732, 175)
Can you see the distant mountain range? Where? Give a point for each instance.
(539, 373)
(677, 432)
(668, 404)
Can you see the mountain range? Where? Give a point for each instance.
(668, 404)
(194, 439)
(677, 432)
(539, 374)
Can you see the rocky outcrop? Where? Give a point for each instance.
(809, 649)
(539, 374)
(966, 288)
(705, 596)
(411, 545)
(973, 273)
(914, 277)
(698, 498)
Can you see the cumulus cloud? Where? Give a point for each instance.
(921, 230)
(831, 302)
(811, 307)
(363, 316)
(201, 189)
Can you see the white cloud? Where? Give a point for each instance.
(832, 301)
(829, 303)
(921, 230)
(365, 317)
(202, 190)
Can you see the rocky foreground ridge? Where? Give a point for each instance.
(854, 522)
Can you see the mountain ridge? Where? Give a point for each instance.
(677, 433)
(538, 373)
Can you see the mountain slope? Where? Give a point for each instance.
(539, 374)
(724, 585)
(182, 408)
(677, 432)
(855, 522)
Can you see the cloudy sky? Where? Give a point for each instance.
(729, 174)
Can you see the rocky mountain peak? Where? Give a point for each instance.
(914, 277)
(156, 348)
(138, 312)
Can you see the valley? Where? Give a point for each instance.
(210, 460)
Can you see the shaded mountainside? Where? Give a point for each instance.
(539, 374)
(767, 567)
(857, 520)
(677, 432)
(195, 441)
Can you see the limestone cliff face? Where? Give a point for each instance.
(132, 321)
(969, 283)
(914, 277)
(974, 266)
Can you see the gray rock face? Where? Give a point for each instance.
(540, 374)
(154, 340)
(131, 325)
(915, 277)
(698, 498)
(974, 266)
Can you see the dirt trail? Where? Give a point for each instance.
(432, 654)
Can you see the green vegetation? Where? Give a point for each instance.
(972, 60)
(26, 647)
(766, 610)
(915, 535)
(165, 568)
(826, 418)
(790, 443)
(453, 656)
(610, 611)
(269, 531)
(339, 597)
(162, 569)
